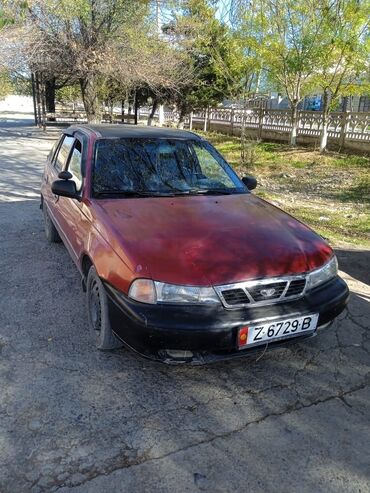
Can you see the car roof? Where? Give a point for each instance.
(121, 131)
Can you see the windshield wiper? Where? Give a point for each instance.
(133, 193)
(212, 191)
(174, 193)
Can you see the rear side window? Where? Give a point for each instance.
(63, 153)
(75, 164)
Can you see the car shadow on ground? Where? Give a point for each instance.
(355, 263)
(73, 413)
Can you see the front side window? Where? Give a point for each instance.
(74, 166)
(161, 166)
(63, 153)
(53, 150)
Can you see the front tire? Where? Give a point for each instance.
(98, 313)
(51, 231)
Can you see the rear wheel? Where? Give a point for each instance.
(50, 230)
(98, 314)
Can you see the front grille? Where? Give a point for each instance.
(296, 287)
(260, 292)
(263, 292)
(235, 297)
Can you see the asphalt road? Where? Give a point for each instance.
(74, 419)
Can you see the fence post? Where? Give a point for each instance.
(161, 115)
(191, 121)
(261, 113)
(343, 130)
(232, 121)
(205, 119)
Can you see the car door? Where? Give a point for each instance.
(72, 218)
(48, 170)
(56, 163)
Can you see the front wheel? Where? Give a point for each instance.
(51, 232)
(98, 313)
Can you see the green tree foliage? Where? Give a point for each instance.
(6, 87)
(92, 42)
(286, 40)
(308, 45)
(344, 57)
(68, 94)
(215, 56)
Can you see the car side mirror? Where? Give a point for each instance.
(250, 182)
(65, 188)
(65, 175)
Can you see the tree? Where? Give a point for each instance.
(289, 44)
(93, 41)
(68, 94)
(308, 45)
(215, 57)
(344, 60)
(5, 84)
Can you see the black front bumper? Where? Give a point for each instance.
(210, 332)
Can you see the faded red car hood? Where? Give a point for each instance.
(210, 240)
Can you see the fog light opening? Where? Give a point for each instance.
(179, 354)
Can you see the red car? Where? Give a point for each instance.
(180, 261)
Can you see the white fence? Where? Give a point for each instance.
(346, 129)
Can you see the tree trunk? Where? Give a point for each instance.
(180, 123)
(152, 112)
(43, 103)
(325, 121)
(136, 108)
(50, 95)
(111, 117)
(293, 133)
(258, 81)
(89, 90)
(123, 111)
(38, 98)
(34, 97)
(161, 115)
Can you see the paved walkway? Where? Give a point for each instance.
(74, 419)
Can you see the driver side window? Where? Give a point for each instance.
(63, 153)
(74, 165)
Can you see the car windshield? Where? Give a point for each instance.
(146, 167)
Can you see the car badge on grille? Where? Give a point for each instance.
(267, 293)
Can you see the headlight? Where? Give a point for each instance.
(325, 273)
(172, 293)
(148, 291)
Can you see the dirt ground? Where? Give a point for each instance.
(74, 419)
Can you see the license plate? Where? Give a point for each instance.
(277, 329)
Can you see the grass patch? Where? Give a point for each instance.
(334, 225)
(330, 192)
